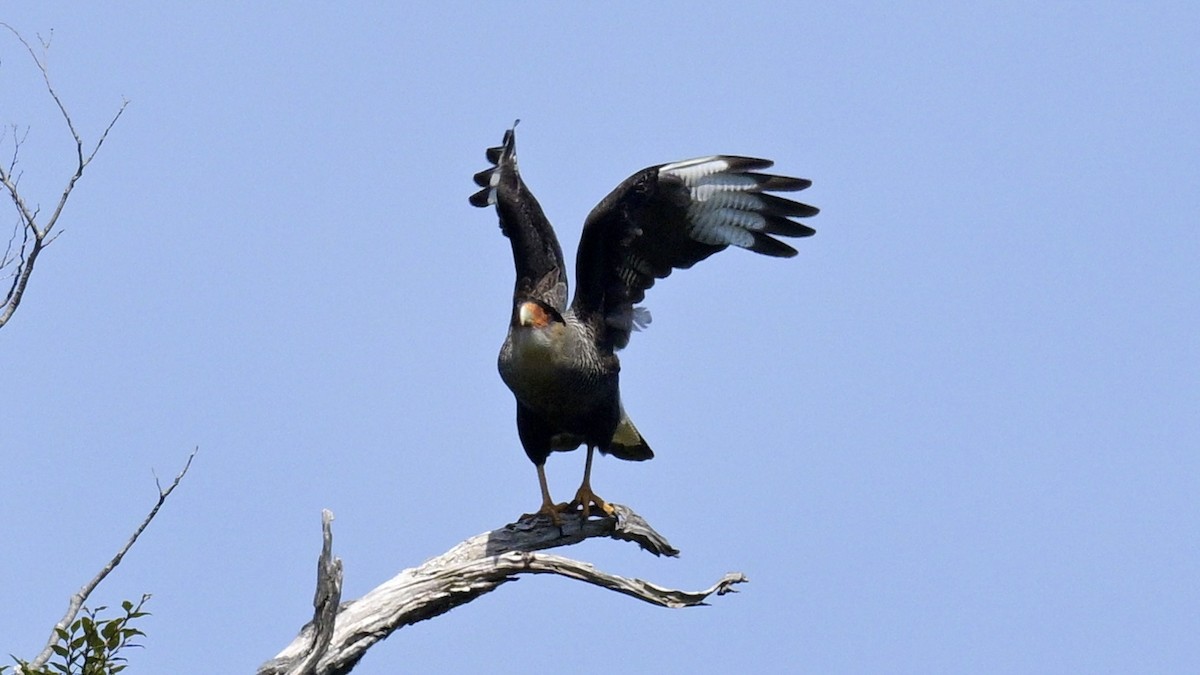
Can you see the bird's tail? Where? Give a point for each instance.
(627, 442)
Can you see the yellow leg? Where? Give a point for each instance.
(585, 497)
(549, 508)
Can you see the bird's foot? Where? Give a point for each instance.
(586, 499)
(550, 510)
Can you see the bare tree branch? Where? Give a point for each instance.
(325, 601)
(81, 597)
(333, 644)
(40, 234)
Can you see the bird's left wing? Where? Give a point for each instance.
(673, 216)
(536, 253)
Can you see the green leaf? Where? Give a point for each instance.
(95, 642)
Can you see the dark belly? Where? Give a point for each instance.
(559, 393)
(580, 405)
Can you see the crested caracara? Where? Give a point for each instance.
(560, 360)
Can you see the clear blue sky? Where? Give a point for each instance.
(958, 433)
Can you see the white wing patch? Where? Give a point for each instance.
(728, 193)
(492, 183)
(717, 229)
(725, 208)
(692, 170)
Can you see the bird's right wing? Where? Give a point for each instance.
(536, 253)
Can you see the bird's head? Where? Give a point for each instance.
(538, 328)
(537, 315)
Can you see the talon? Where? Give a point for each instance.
(586, 499)
(551, 510)
(584, 496)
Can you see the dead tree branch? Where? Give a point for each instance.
(325, 602)
(334, 642)
(81, 596)
(37, 236)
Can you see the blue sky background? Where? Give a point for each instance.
(957, 433)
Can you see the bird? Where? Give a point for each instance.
(560, 360)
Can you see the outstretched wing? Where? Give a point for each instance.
(673, 216)
(536, 253)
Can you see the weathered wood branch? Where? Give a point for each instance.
(325, 601)
(333, 643)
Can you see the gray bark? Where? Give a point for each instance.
(335, 641)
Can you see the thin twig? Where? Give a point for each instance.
(9, 180)
(81, 597)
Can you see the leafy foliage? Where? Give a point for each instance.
(91, 645)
